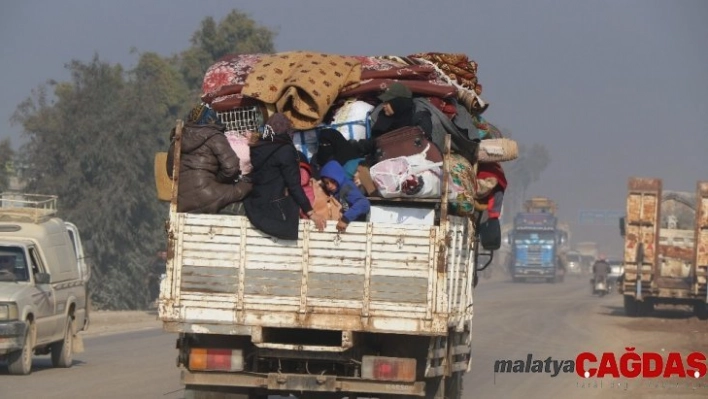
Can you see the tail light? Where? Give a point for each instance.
(388, 368)
(202, 359)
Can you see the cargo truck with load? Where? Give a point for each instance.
(665, 247)
(382, 310)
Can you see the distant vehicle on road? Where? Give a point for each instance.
(574, 262)
(616, 271)
(665, 247)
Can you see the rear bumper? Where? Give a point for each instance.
(534, 272)
(12, 336)
(301, 383)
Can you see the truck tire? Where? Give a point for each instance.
(434, 388)
(62, 355)
(453, 386)
(700, 309)
(20, 362)
(449, 388)
(631, 307)
(645, 308)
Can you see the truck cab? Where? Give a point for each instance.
(42, 285)
(534, 248)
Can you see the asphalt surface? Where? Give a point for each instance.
(128, 356)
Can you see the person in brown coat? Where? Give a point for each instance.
(209, 167)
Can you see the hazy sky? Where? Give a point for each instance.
(612, 88)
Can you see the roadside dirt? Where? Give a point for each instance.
(110, 322)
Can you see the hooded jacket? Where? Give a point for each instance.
(277, 196)
(208, 169)
(496, 196)
(354, 204)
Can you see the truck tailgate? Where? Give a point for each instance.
(375, 277)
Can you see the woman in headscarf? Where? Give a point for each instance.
(398, 110)
(208, 166)
(273, 205)
(332, 145)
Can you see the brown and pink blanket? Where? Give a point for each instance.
(304, 89)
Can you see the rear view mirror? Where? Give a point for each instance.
(622, 227)
(42, 278)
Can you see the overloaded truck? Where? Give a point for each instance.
(535, 241)
(382, 310)
(665, 247)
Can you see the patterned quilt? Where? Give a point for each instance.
(302, 85)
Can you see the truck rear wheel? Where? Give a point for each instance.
(62, 355)
(631, 307)
(449, 388)
(20, 362)
(453, 386)
(700, 309)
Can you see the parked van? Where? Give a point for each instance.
(43, 283)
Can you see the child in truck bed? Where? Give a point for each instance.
(336, 183)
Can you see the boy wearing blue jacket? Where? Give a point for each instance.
(335, 182)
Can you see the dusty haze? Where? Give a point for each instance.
(612, 89)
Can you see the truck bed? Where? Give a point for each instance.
(224, 276)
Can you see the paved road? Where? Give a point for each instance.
(511, 321)
(561, 321)
(138, 364)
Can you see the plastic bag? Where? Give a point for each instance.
(410, 176)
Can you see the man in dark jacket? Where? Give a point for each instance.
(276, 200)
(354, 204)
(600, 270)
(209, 166)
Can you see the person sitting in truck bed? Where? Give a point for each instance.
(398, 110)
(354, 204)
(332, 145)
(272, 206)
(209, 166)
